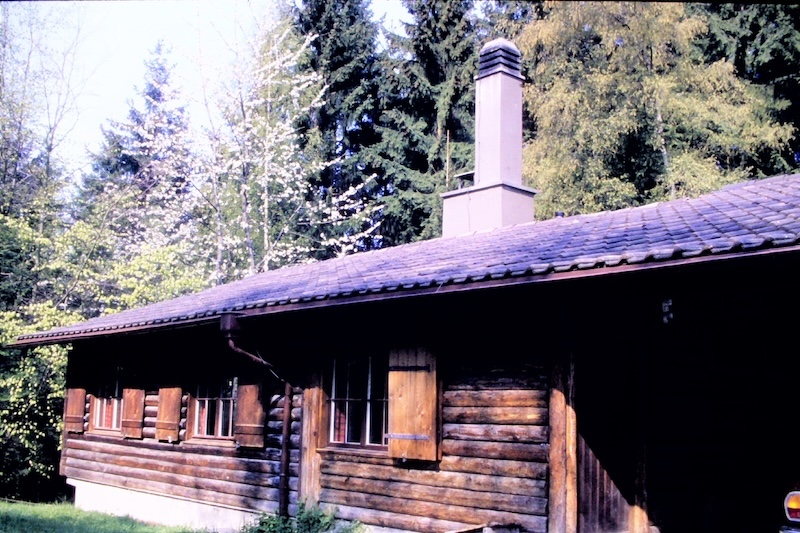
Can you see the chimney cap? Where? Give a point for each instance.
(500, 42)
(499, 55)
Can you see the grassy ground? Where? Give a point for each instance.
(64, 518)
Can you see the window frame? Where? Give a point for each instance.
(365, 423)
(224, 406)
(107, 397)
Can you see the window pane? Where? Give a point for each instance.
(202, 414)
(377, 421)
(358, 380)
(355, 420)
(339, 386)
(108, 408)
(226, 418)
(211, 419)
(339, 420)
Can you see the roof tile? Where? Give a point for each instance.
(739, 217)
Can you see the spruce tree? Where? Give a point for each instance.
(427, 120)
(343, 54)
(134, 214)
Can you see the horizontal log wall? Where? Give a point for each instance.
(493, 468)
(240, 478)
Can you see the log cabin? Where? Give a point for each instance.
(629, 370)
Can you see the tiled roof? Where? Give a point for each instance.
(738, 218)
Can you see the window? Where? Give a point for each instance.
(391, 402)
(107, 408)
(214, 407)
(359, 402)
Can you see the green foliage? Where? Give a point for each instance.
(31, 404)
(344, 55)
(264, 210)
(626, 113)
(762, 42)
(65, 518)
(309, 519)
(426, 96)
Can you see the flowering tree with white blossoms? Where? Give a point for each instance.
(258, 180)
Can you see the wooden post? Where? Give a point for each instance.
(572, 448)
(313, 433)
(638, 519)
(283, 485)
(563, 497)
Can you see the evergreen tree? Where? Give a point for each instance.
(427, 123)
(136, 230)
(344, 55)
(762, 41)
(627, 113)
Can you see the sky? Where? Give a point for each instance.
(115, 38)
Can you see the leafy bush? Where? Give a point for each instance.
(308, 520)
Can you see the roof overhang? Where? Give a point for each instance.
(416, 291)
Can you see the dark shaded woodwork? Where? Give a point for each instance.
(74, 410)
(413, 411)
(432, 510)
(453, 496)
(397, 520)
(455, 480)
(169, 414)
(501, 433)
(517, 451)
(249, 416)
(493, 467)
(495, 415)
(495, 398)
(133, 411)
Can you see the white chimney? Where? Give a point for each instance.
(497, 197)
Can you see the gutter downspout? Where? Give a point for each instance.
(286, 432)
(229, 325)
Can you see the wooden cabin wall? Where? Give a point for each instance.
(241, 478)
(493, 466)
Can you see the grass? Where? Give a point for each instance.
(65, 518)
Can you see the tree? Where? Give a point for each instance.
(626, 113)
(344, 55)
(762, 41)
(31, 405)
(266, 212)
(426, 125)
(135, 210)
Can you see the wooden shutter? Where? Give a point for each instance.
(168, 419)
(249, 416)
(132, 413)
(74, 409)
(413, 405)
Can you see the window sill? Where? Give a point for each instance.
(210, 441)
(106, 432)
(379, 452)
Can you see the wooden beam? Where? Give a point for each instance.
(312, 432)
(563, 516)
(571, 448)
(438, 479)
(283, 488)
(440, 511)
